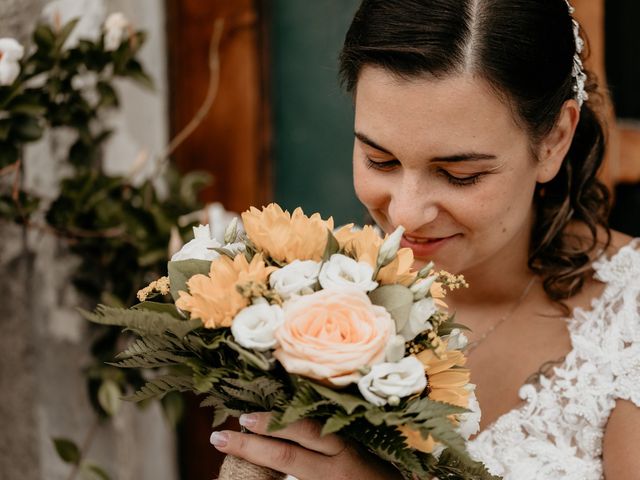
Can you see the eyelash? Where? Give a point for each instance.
(456, 181)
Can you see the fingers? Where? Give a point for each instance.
(303, 432)
(267, 452)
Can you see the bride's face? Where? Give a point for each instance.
(445, 159)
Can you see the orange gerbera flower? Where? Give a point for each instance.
(446, 383)
(287, 237)
(214, 298)
(365, 244)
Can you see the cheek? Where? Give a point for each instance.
(371, 189)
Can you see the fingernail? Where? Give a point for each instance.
(248, 420)
(219, 439)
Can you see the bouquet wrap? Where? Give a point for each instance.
(234, 468)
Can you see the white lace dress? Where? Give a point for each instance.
(557, 432)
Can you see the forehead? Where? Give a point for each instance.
(442, 114)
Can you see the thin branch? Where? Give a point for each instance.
(84, 449)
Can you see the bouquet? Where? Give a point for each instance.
(292, 317)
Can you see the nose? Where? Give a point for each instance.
(413, 204)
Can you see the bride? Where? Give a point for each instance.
(475, 130)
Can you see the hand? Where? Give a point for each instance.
(306, 455)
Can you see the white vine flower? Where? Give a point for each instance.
(116, 30)
(11, 52)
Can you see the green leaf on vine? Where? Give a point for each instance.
(67, 450)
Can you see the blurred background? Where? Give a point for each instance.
(245, 94)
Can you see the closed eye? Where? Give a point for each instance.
(384, 166)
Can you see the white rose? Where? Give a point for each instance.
(91, 14)
(470, 421)
(10, 54)
(418, 322)
(200, 247)
(342, 271)
(388, 380)
(456, 340)
(116, 28)
(255, 325)
(297, 278)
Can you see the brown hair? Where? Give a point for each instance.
(525, 49)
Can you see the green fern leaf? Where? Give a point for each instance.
(160, 386)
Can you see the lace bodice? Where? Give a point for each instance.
(557, 432)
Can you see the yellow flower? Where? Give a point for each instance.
(365, 244)
(446, 383)
(285, 237)
(214, 298)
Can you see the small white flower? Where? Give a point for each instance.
(91, 14)
(296, 278)
(200, 247)
(11, 52)
(456, 340)
(395, 349)
(418, 322)
(342, 271)
(254, 327)
(116, 29)
(388, 380)
(470, 421)
(390, 246)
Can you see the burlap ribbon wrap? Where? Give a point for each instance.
(234, 468)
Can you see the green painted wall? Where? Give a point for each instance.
(313, 118)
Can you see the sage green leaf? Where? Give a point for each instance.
(397, 299)
(182, 270)
(332, 246)
(109, 397)
(66, 31)
(347, 401)
(144, 322)
(169, 308)
(90, 471)
(67, 450)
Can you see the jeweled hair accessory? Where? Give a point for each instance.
(578, 72)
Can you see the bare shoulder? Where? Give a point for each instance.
(621, 437)
(618, 240)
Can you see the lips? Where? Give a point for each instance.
(425, 247)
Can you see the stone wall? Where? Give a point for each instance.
(43, 341)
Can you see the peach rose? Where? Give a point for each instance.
(329, 335)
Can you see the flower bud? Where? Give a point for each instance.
(426, 270)
(393, 400)
(231, 233)
(421, 288)
(389, 248)
(395, 349)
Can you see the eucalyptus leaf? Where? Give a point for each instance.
(67, 450)
(397, 300)
(181, 271)
(332, 246)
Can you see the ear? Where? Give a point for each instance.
(556, 144)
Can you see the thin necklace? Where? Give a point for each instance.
(472, 346)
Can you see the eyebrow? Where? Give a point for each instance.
(461, 157)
